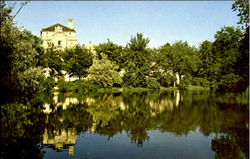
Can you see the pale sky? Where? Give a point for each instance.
(160, 21)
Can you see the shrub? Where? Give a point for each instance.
(166, 80)
(198, 81)
(152, 83)
(186, 80)
(228, 83)
(64, 86)
(29, 81)
(243, 98)
(49, 84)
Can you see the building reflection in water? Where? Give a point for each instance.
(56, 103)
(158, 106)
(61, 139)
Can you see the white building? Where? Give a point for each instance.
(59, 35)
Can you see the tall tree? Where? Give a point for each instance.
(207, 65)
(226, 54)
(242, 64)
(137, 61)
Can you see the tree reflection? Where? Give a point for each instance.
(19, 137)
(231, 146)
(178, 112)
(233, 142)
(137, 118)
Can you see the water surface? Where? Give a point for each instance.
(172, 124)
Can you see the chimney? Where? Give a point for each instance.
(70, 23)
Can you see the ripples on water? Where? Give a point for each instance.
(171, 124)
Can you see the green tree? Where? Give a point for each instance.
(226, 54)
(179, 58)
(52, 59)
(104, 72)
(37, 45)
(20, 133)
(160, 66)
(206, 66)
(242, 64)
(78, 60)
(242, 6)
(113, 51)
(5, 13)
(17, 59)
(137, 61)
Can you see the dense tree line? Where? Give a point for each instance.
(222, 64)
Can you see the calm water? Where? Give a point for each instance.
(147, 125)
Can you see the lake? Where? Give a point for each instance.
(175, 124)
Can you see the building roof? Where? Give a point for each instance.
(52, 28)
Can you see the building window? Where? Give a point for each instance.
(69, 33)
(59, 43)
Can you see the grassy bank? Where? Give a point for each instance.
(82, 86)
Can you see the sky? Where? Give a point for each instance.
(160, 21)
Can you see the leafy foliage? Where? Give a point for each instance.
(243, 97)
(206, 65)
(226, 54)
(152, 83)
(20, 138)
(113, 51)
(52, 59)
(242, 6)
(137, 61)
(18, 62)
(78, 60)
(105, 72)
(5, 13)
(184, 58)
(178, 58)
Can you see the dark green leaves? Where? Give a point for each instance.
(242, 6)
(137, 61)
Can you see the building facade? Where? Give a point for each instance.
(59, 35)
